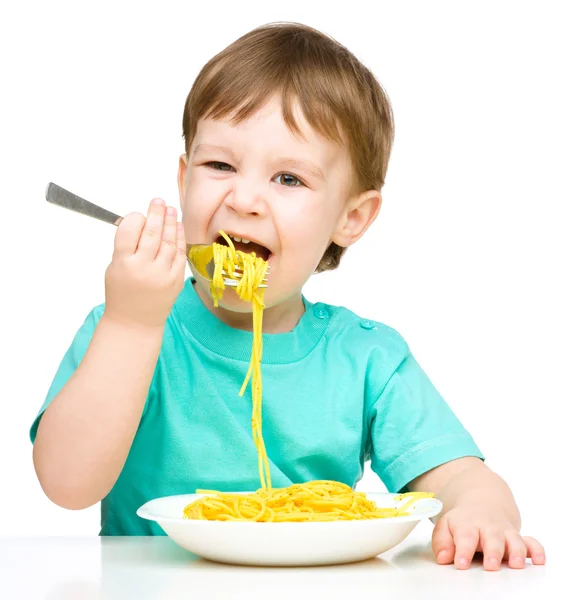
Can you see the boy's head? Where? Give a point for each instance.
(287, 139)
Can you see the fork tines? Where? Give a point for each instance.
(239, 269)
(237, 276)
(234, 282)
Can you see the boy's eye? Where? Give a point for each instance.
(288, 180)
(219, 166)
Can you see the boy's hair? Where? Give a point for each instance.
(339, 97)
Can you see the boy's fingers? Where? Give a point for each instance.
(149, 243)
(168, 246)
(516, 550)
(466, 540)
(443, 543)
(181, 249)
(493, 547)
(128, 234)
(535, 550)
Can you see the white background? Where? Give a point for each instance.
(463, 259)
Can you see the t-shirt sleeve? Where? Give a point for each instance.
(70, 362)
(413, 429)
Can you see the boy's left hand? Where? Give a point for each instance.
(464, 530)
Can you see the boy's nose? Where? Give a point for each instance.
(246, 200)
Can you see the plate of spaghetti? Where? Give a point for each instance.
(305, 531)
(312, 523)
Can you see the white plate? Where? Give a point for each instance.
(287, 544)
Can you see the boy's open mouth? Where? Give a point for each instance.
(247, 246)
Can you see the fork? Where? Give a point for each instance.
(61, 197)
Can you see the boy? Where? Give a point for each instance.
(287, 139)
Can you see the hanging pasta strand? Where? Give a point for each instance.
(253, 270)
(312, 501)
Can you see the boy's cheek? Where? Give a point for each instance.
(195, 232)
(200, 205)
(197, 211)
(296, 268)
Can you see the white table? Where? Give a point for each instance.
(88, 568)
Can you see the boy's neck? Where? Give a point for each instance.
(280, 318)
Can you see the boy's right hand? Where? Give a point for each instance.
(147, 272)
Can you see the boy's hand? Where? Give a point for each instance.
(147, 271)
(464, 530)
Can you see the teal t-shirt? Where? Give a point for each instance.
(337, 390)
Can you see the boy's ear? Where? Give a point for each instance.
(357, 216)
(181, 177)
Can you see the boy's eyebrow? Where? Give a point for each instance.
(203, 147)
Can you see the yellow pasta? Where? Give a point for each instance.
(302, 502)
(253, 270)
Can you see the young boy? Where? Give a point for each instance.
(287, 139)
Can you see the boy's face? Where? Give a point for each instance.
(259, 182)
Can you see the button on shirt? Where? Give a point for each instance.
(338, 390)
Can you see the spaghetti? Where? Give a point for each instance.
(301, 502)
(253, 270)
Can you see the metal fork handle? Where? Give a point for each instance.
(61, 197)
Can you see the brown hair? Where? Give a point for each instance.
(334, 89)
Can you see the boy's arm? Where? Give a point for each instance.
(85, 434)
(479, 515)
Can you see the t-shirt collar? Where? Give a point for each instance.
(230, 342)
